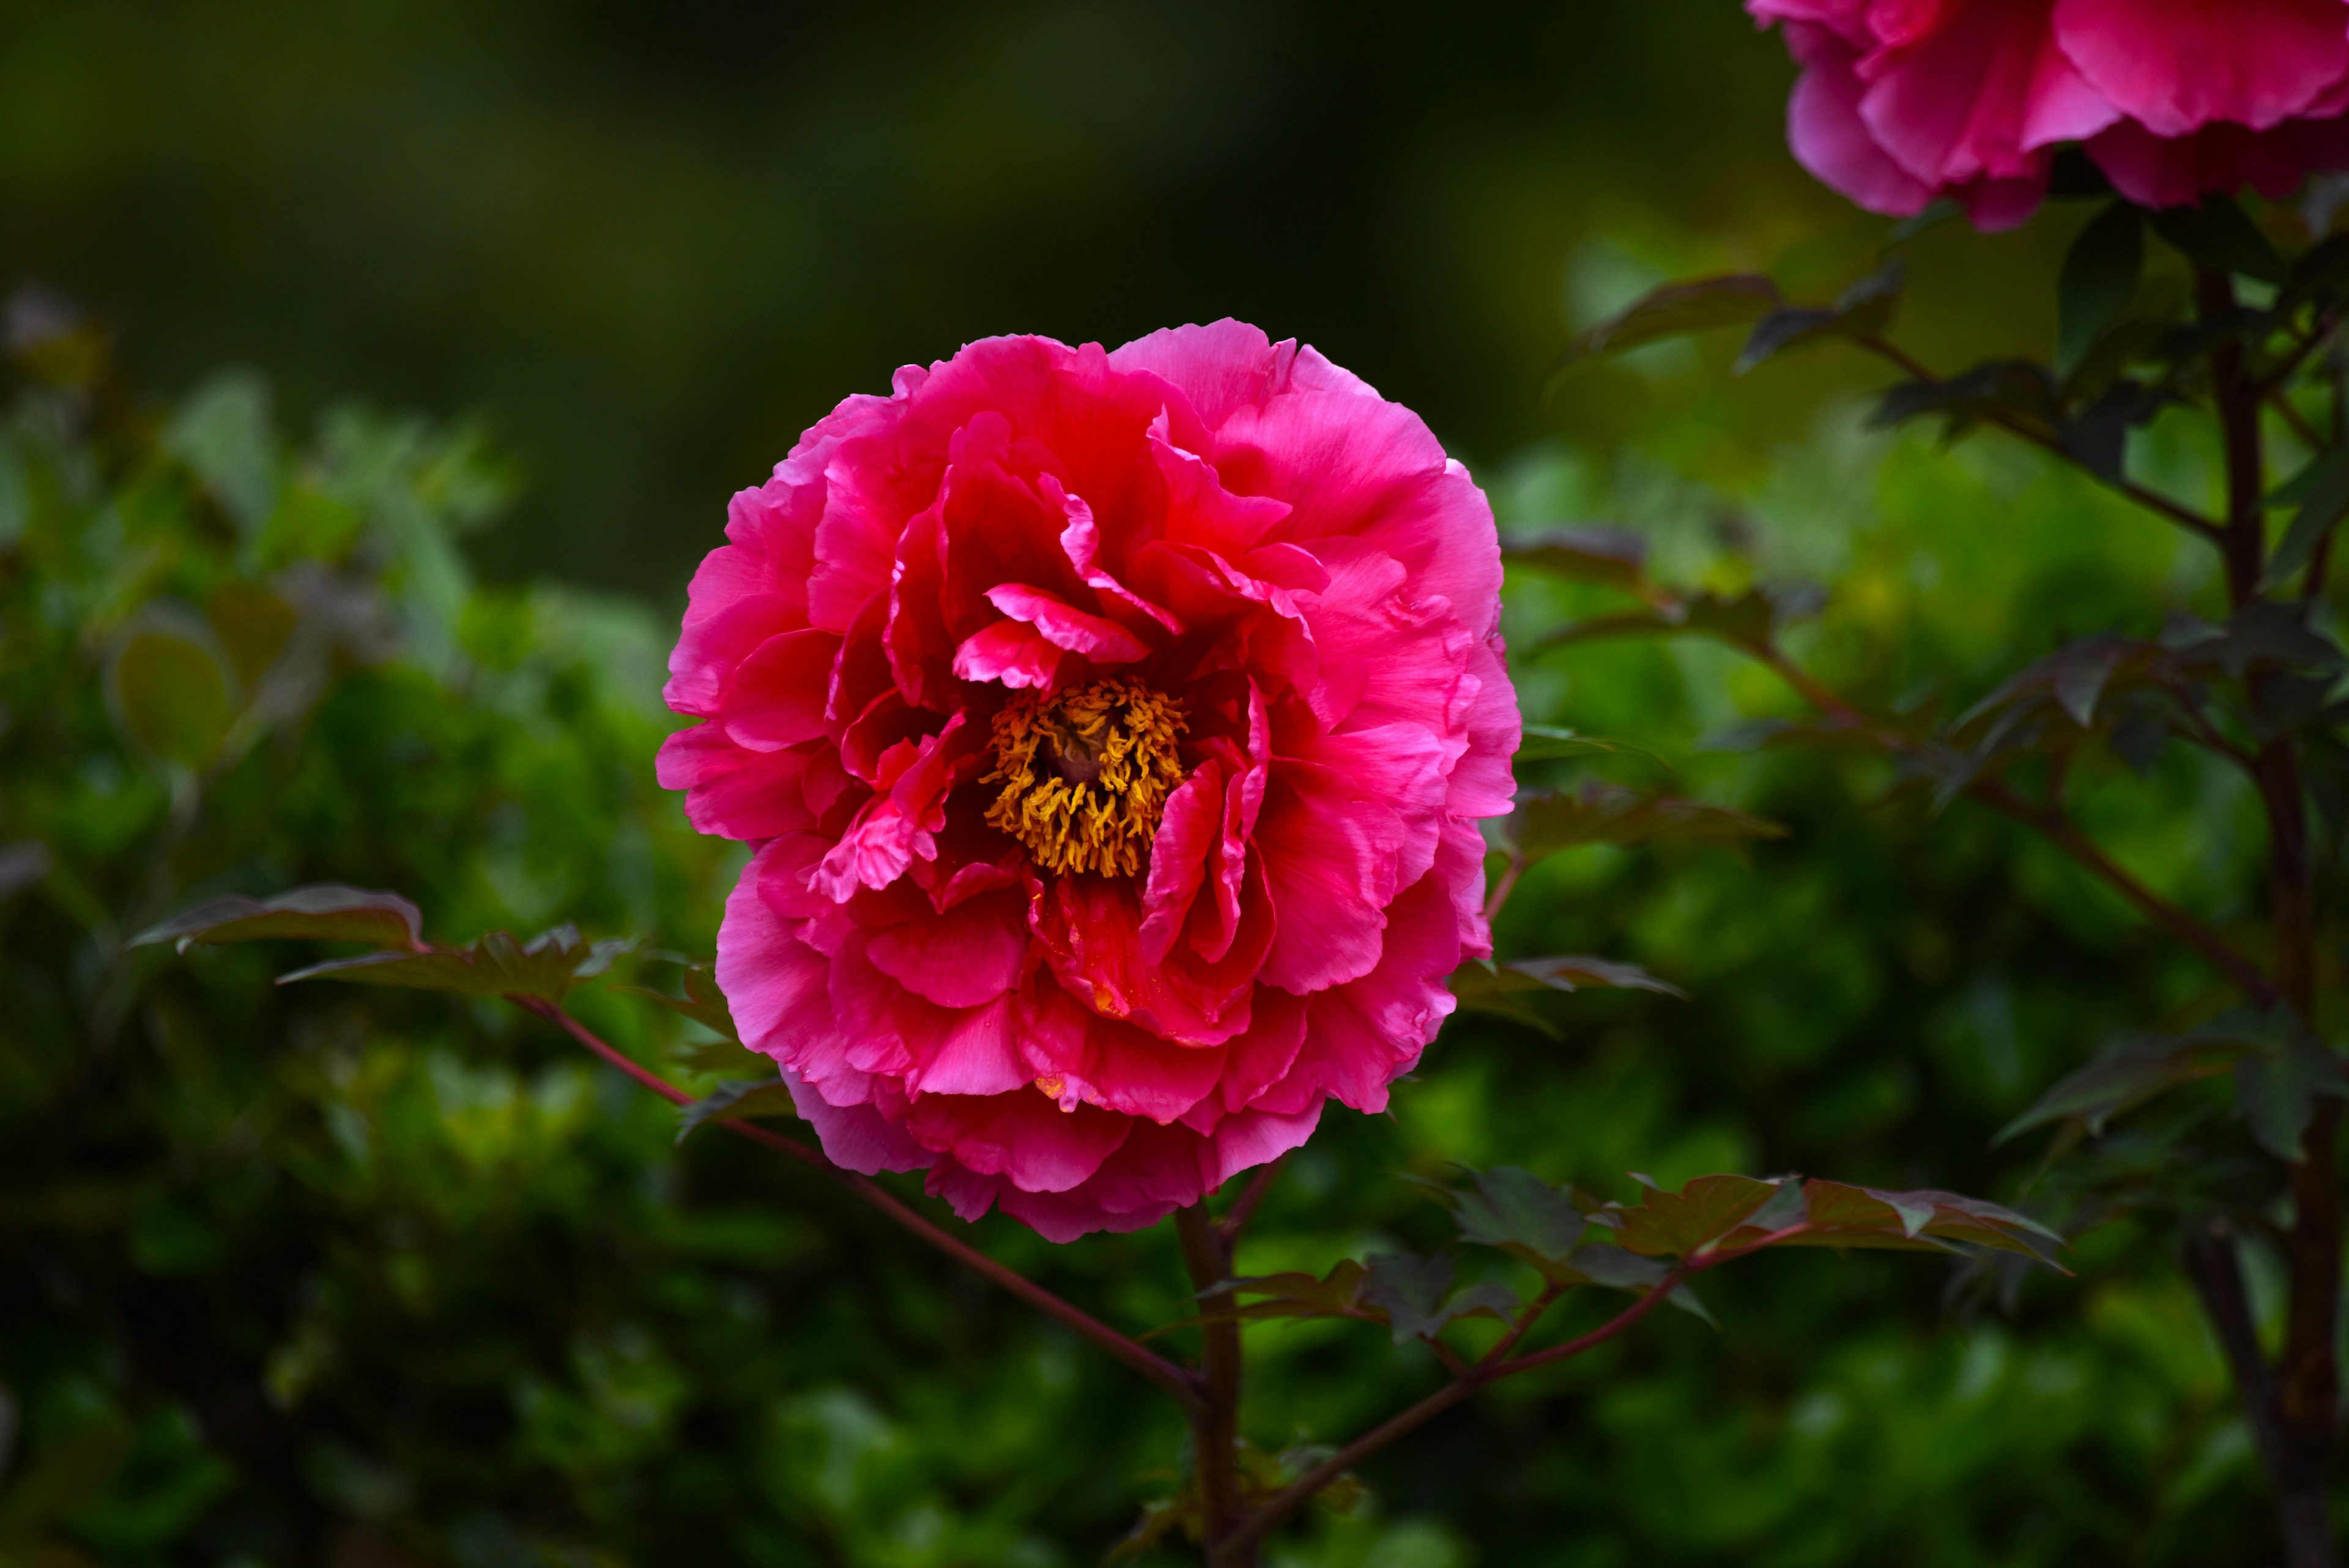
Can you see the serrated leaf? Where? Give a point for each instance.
(1585, 553)
(1338, 1293)
(1703, 1212)
(703, 1002)
(736, 1101)
(497, 963)
(1416, 1296)
(322, 911)
(1871, 1218)
(1604, 1265)
(2218, 234)
(2097, 437)
(1674, 310)
(1513, 1208)
(1596, 813)
(2099, 276)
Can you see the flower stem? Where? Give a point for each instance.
(1215, 1427)
(1184, 1386)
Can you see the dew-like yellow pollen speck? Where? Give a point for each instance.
(1085, 774)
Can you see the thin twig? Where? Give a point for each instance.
(1183, 1384)
(1504, 887)
(2058, 828)
(2295, 419)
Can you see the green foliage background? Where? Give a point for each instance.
(307, 1276)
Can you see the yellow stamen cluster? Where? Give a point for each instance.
(1085, 774)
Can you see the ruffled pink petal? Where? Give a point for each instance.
(775, 697)
(856, 1137)
(1387, 657)
(894, 827)
(1021, 1135)
(734, 793)
(1188, 827)
(707, 649)
(1090, 930)
(774, 983)
(2179, 171)
(965, 956)
(1010, 651)
(2176, 65)
(1847, 18)
(1065, 627)
(1830, 139)
(1362, 1036)
(1081, 542)
(1958, 93)
(929, 1049)
(1080, 1057)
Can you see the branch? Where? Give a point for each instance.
(2058, 828)
(2184, 516)
(1182, 1385)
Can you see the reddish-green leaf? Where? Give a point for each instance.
(736, 1101)
(322, 911)
(1706, 1210)
(496, 964)
(703, 1002)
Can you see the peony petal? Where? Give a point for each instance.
(1081, 1058)
(1021, 1135)
(856, 1137)
(775, 697)
(2176, 65)
(1011, 652)
(1178, 859)
(735, 793)
(1066, 627)
(931, 1050)
(1830, 139)
(968, 955)
(1974, 92)
(2164, 171)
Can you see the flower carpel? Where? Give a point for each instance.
(1086, 774)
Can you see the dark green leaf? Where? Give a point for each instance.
(703, 1002)
(2097, 437)
(1864, 310)
(2142, 1067)
(1675, 310)
(496, 964)
(2276, 1091)
(2002, 389)
(1416, 1296)
(734, 1101)
(2322, 491)
(325, 911)
(1867, 1217)
(1337, 1295)
(1604, 1265)
(2217, 234)
(2100, 274)
(1515, 1210)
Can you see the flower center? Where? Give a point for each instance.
(1085, 774)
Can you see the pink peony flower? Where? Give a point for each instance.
(1111, 728)
(1904, 100)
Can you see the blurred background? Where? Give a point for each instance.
(379, 374)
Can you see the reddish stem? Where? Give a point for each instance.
(1183, 1384)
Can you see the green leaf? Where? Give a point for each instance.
(222, 432)
(170, 689)
(1999, 389)
(1616, 556)
(2217, 234)
(1862, 311)
(2277, 1091)
(496, 964)
(1751, 619)
(2099, 277)
(2322, 492)
(734, 1101)
(703, 1002)
(1604, 1265)
(1501, 988)
(1337, 1295)
(322, 911)
(1675, 310)
(1596, 813)
(2123, 1077)
(1416, 1296)
(1519, 1212)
